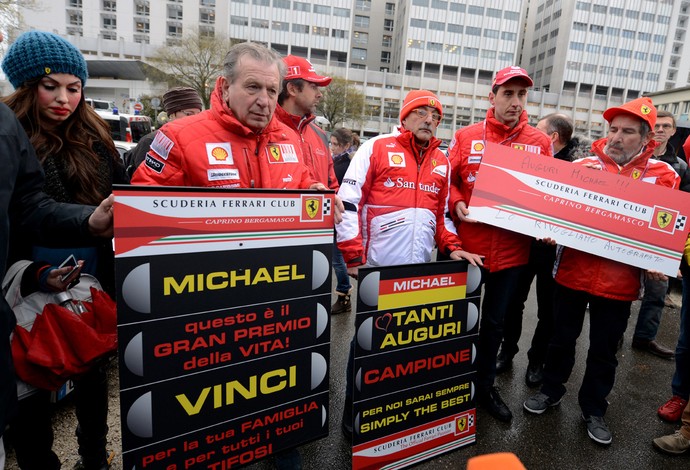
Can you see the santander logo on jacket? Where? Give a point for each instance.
(213, 149)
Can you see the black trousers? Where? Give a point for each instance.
(608, 319)
(31, 431)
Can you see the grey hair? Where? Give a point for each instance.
(256, 51)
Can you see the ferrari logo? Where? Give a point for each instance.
(663, 218)
(461, 423)
(645, 110)
(275, 152)
(636, 174)
(312, 205)
(432, 102)
(433, 163)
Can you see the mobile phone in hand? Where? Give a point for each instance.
(69, 261)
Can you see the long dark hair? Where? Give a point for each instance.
(72, 141)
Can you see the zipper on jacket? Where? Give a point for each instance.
(249, 166)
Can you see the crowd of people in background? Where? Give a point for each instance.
(263, 108)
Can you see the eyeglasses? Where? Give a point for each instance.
(334, 144)
(663, 126)
(423, 113)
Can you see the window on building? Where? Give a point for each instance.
(578, 26)
(339, 33)
(319, 30)
(547, 20)
(599, 9)
(259, 23)
(535, 43)
(207, 17)
(627, 33)
(638, 74)
(439, 4)
(662, 19)
(621, 72)
(647, 17)
(473, 31)
(616, 11)
(537, 25)
(390, 8)
(415, 44)
(142, 8)
(572, 65)
(280, 26)
(491, 33)
(557, 14)
(656, 58)
(142, 26)
(589, 68)
(341, 12)
(553, 33)
(507, 56)
(175, 30)
(594, 48)
(206, 31)
(551, 52)
(359, 54)
(75, 18)
(301, 6)
(595, 28)
(386, 57)
(640, 55)
(511, 15)
(387, 41)
(533, 60)
(75, 3)
(577, 46)
(437, 25)
(541, 56)
(475, 10)
(660, 38)
(434, 46)
(418, 23)
(472, 52)
(455, 28)
(359, 37)
(388, 25)
(361, 21)
(608, 50)
(613, 31)
(585, 6)
(625, 53)
(633, 14)
(494, 13)
(262, 3)
(174, 12)
(644, 36)
(508, 36)
(141, 39)
(109, 22)
(421, 3)
(207, 3)
(457, 7)
(239, 20)
(300, 28)
(653, 77)
(362, 5)
(109, 5)
(283, 4)
(322, 9)
(488, 54)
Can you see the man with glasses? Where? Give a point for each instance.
(654, 297)
(505, 253)
(395, 193)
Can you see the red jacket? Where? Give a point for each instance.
(214, 149)
(599, 276)
(502, 249)
(317, 155)
(400, 198)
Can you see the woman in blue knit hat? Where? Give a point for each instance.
(81, 163)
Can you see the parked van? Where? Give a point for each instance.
(127, 127)
(100, 105)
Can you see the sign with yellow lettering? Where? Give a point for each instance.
(223, 324)
(413, 390)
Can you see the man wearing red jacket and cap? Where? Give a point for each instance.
(297, 103)
(506, 253)
(609, 287)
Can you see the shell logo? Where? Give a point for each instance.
(478, 147)
(397, 159)
(645, 110)
(219, 154)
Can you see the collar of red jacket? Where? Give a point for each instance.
(406, 139)
(501, 129)
(295, 122)
(638, 161)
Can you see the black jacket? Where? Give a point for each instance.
(23, 205)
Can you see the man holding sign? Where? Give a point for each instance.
(609, 287)
(506, 253)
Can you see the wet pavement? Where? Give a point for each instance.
(556, 439)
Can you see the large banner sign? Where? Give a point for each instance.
(612, 216)
(416, 329)
(223, 323)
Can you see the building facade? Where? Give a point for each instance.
(585, 56)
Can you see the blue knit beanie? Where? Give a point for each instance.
(38, 53)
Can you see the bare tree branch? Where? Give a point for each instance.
(341, 102)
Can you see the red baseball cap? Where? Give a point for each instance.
(642, 108)
(510, 73)
(299, 67)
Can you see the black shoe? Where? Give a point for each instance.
(504, 361)
(491, 401)
(534, 375)
(653, 347)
